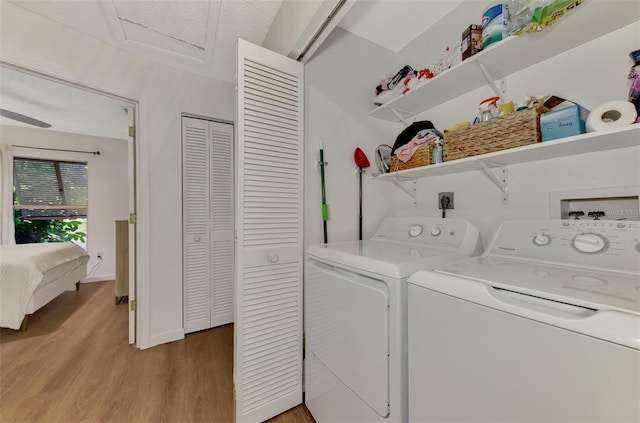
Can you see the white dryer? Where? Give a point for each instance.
(543, 327)
(355, 297)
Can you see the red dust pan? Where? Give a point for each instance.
(361, 159)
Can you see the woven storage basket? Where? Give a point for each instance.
(510, 131)
(421, 157)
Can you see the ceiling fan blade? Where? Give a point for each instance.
(24, 119)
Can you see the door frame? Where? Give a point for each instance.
(133, 156)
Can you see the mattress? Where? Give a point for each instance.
(62, 269)
(25, 267)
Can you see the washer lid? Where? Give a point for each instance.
(397, 260)
(596, 289)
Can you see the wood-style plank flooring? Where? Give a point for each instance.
(73, 364)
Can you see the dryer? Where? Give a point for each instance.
(543, 327)
(355, 296)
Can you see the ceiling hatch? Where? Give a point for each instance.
(179, 27)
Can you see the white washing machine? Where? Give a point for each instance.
(543, 327)
(355, 315)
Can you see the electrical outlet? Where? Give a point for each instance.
(442, 196)
(99, 255)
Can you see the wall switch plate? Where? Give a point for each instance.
(448, 195)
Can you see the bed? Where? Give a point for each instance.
(31, 275)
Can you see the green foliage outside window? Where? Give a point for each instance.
(34, 231)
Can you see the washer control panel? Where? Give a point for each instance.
(598, 243)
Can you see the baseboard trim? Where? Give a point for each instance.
(99, 278)
(165, 337)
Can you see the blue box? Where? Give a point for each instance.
(564, 122)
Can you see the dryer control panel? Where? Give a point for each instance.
(598, 243)
(458, 234)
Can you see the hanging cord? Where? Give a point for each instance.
(444, 203)
(94, 268)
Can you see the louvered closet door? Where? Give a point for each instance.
(268, 323)
(196, 211)
(222, 252)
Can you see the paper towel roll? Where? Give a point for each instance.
(612, 114)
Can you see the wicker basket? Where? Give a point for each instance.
(421, 157)
(510, 131)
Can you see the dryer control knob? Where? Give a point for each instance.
(589, 243)
(541, 240)
(415, 230)
(436, 231)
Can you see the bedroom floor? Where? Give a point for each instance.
(74, 364)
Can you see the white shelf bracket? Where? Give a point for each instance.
(501, 182)
(410, 193)
(399, 116)
(498, 86)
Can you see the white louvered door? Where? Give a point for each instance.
(208, 219)
(222, 235)
(269, 249)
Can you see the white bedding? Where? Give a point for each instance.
(23, 268)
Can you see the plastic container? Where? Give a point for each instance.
(437, 152)
(492, 24)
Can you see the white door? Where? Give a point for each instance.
(222, 222)
(132, 223)
(269, 249)
(196, 214)
(208, 239)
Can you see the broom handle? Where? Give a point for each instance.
(325, 210)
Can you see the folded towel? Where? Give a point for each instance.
(406, 152)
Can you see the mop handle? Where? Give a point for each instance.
(325, 209)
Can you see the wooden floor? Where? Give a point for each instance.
(73, 364)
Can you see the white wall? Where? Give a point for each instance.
(107, 183)
(338, 94)
(346, 71)
(162, 93)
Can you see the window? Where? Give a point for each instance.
(50, 200)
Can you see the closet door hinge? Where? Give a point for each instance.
(133, 218)
(132, 131)
(133, 304)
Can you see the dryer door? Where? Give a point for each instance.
(347, 329)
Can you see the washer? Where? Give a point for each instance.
(355, 315)
(543, 327)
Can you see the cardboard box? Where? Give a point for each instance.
(471, 41)
(563, 122)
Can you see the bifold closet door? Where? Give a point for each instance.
(208, 250)
(269, 176)
(222, 218)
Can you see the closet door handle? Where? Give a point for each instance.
(274, 257)
(196, 238)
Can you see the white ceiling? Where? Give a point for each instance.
(64, 107)
(197, 35)
(394, 24)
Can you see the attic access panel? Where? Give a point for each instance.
(179, 27)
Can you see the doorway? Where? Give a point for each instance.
(86, 125)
